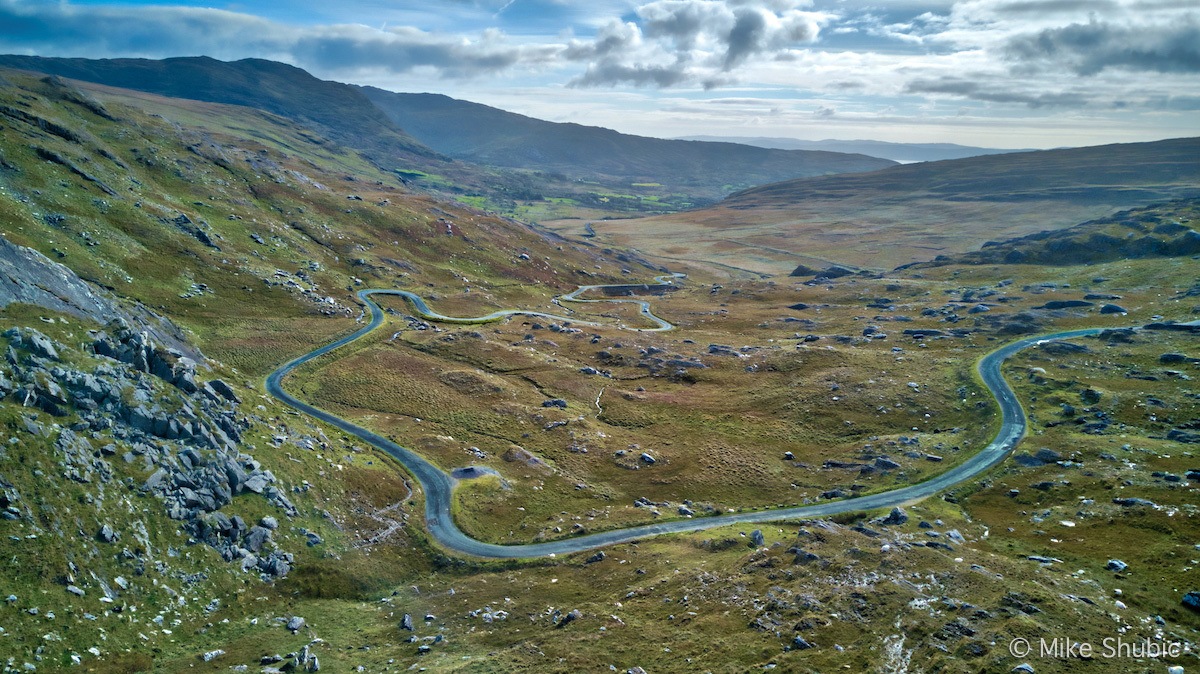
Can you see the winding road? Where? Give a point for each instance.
(439, 487)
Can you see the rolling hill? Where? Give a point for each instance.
(915, 212)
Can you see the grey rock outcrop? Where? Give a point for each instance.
(896, 517)
(138, 348)
(29, 277)
(185, 439)
(1192, 600)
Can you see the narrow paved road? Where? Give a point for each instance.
(438, 486)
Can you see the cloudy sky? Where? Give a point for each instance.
(997, 73)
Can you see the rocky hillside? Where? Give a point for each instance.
(168, 205)
(97, 420)
(1164, 230)
(154, 263)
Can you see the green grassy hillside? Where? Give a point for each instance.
(160, 512)
(507, 163)
(330, 108)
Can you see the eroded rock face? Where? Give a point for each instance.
(28, 277)
(140, 403)
(138, 348)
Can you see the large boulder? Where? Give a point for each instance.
(835, 272)
(1192, 600)
(896, 517)
(804, 270)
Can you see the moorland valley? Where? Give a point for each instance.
(755, 366)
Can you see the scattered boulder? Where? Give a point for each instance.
(569, 618)
(1130, 502)
(757, 539)
(257, 538)
(224, 390)
(1047, 455)
(41, 345)
(1117, 335)
(1066, 304)
(800, 644)
(884, 463)
(1183, 436)
(896, 517)
(1113, 309)
(1116, 565)
(406, 623)
(598, 557)
(296, 623)
(834, 272)
(1192, 600)
(1061, 348)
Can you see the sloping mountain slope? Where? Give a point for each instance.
(490, 136)
(336, 110)
(197, 207)
(915, 212)
(537, 162)
(159, 514)
(144, 483)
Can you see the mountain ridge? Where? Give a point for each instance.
(899, 152)
(488, 135)
(516, 161)
(255, 83)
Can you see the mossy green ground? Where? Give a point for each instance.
(699, 602)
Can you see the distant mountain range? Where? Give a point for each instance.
(494, 137)
(901, 152)
(501, 156)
